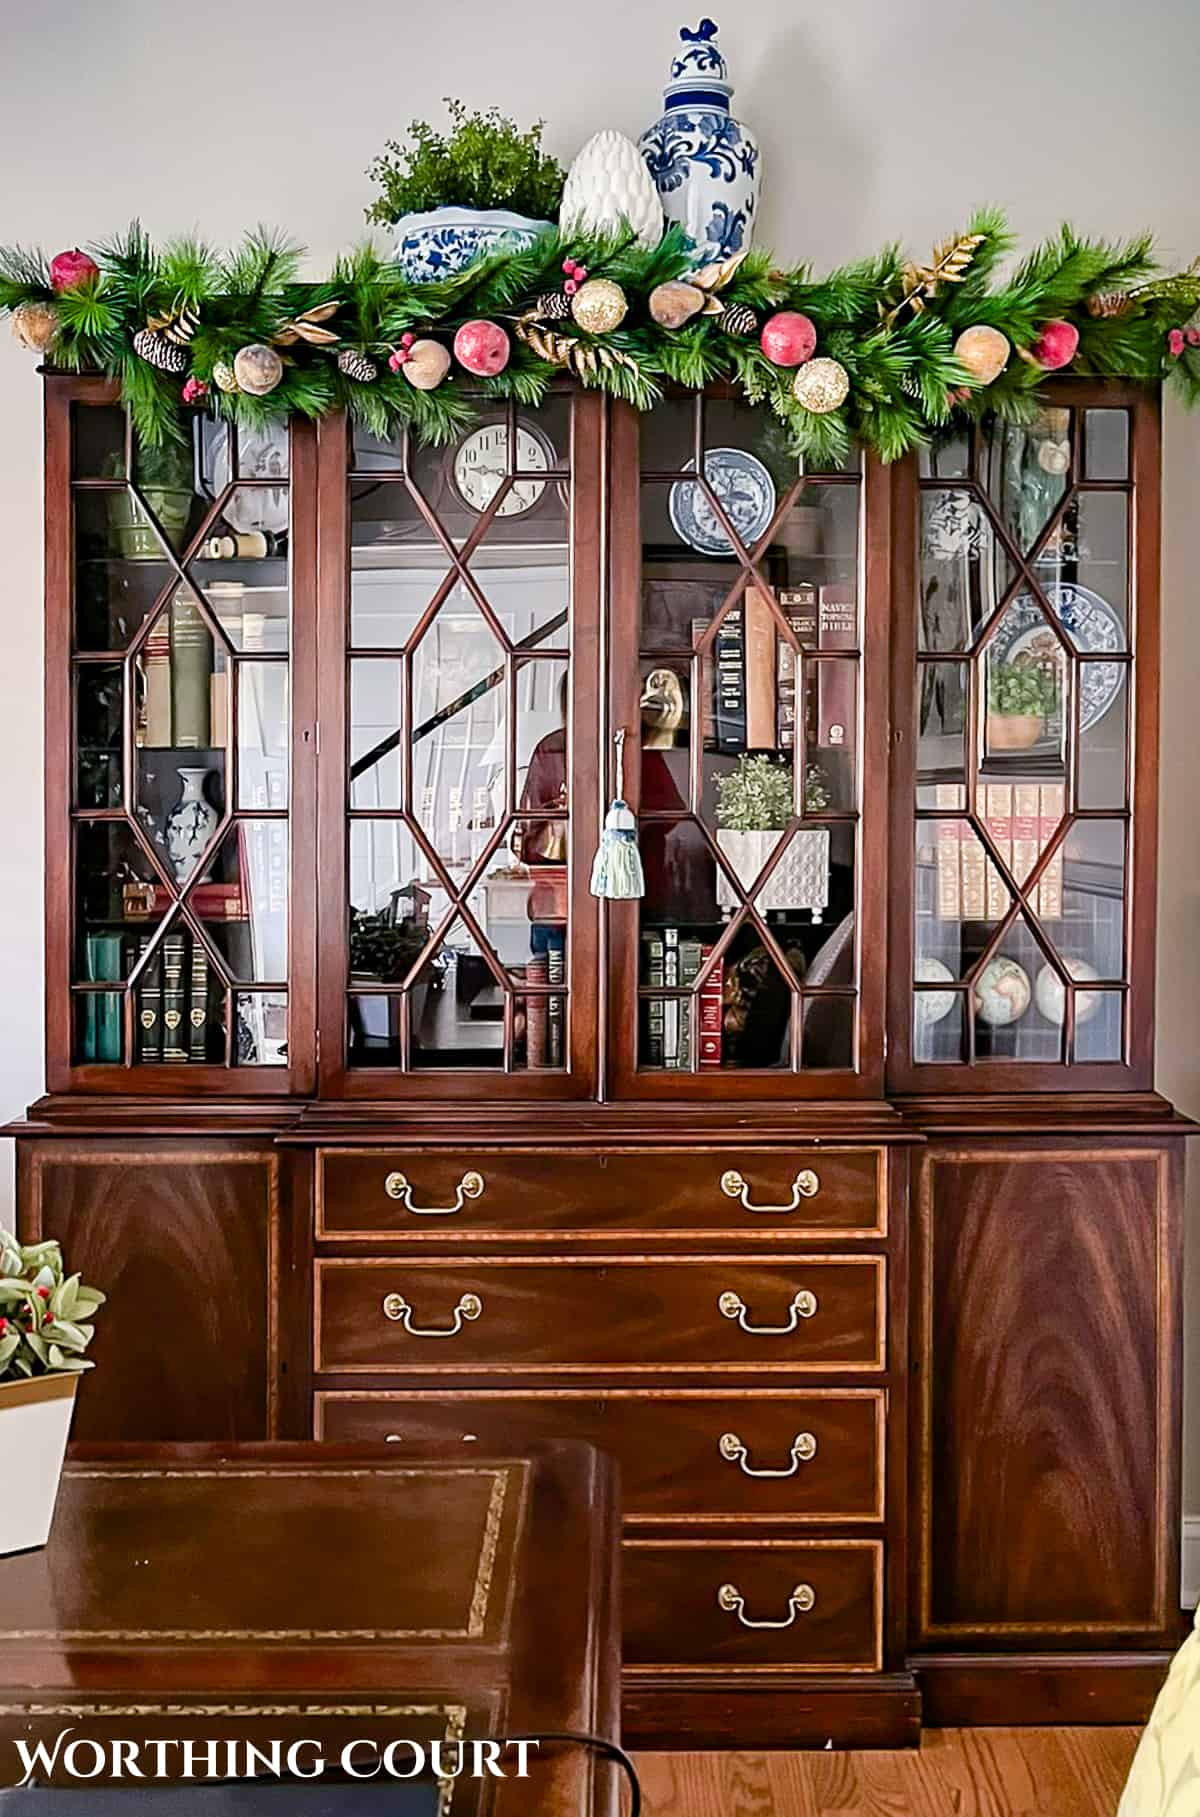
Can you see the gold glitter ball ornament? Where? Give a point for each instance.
(983, 351)
(35, 325)
(821, 386)
(599, 306)
(257, 369)
(224, 377)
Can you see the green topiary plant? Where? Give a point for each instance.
(756, 795)
(1016, 688)
(485, 161)
(45, 1316)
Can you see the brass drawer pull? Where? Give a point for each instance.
(802, 1307)
(804, 1449)
(806, 1185)
(469, 1187)
(733, 1602)
(396, 1307)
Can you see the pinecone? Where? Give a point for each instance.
(738, 318)
(553, 306)
(1107, 305)
(150, 346)
(355, 365)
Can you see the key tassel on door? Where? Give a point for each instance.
(617, 871)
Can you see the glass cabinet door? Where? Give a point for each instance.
(180, 785)
(465, 699)
(740, 626)
(1029, 621)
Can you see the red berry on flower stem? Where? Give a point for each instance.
(568, 266)
(570, 287)
(406, 340)
(1192, 336)
(43, 1293)
(3, 1327)
(1175, 343)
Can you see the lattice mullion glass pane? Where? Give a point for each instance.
(965, 570)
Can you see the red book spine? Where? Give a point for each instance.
(712, 1004)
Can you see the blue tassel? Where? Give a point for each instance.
(617, 873)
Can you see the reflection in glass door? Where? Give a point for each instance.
(459, 734)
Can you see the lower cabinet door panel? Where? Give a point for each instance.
(1046, 1415)
(183, 1237)
(815, 1605)
(630, 1313)
(786, 1454)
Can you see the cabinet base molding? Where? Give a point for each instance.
(777, 1711)
(1037, 1689)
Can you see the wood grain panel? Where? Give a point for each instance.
(1047, 1330)
(673, 1619)
(667, 1444)
(625, 1314)
(1005, 1773)
(183, 1240)
(598, 1192)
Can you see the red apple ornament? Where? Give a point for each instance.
(68, 270)
(482, 347)
(1056, 346)
(788, 338)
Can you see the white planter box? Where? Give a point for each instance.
(35, 1418)
(799, 881)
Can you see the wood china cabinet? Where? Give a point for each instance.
(825, 1186)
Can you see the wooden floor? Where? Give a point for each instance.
(954, 1773)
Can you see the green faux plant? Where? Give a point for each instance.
(382, 948)
(756, 795)
(485, 161)
(1016, 689)
(45, 1315)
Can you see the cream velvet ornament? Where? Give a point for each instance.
(607, 185)
(983, 352)
(257, 369)
(427, 364)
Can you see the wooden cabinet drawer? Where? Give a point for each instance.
(371, 1194)
(628, 1314)
(814, 1605)
(782, 1454)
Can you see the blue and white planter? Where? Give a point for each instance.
(705, 164)
(443, 240)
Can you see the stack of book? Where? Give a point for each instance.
(173, 1009)
(673, 962)
(1021, 819)
(546, 1013)
(749, 674)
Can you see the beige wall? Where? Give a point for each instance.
(877, 120)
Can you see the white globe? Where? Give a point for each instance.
(932, 1006)
(1051, 996)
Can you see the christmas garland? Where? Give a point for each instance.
(881, 352)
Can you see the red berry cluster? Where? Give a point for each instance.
(402, 353)
(1179, 338)
(574, 274)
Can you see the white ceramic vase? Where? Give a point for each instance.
(35, 1418)
(705, 164)
(189, 824)
(609, 185)
(799, 881)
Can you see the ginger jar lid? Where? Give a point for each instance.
(699, 77)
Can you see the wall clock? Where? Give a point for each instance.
(479, 466)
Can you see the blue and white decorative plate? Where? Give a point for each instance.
(1092, 625)
(747, 496)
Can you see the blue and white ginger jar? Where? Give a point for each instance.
(705, 164)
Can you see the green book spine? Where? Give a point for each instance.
(149, 1018)
(174, 1000)
(690, 961)
(102, 1038)
(191, 668)
(198, 1014)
